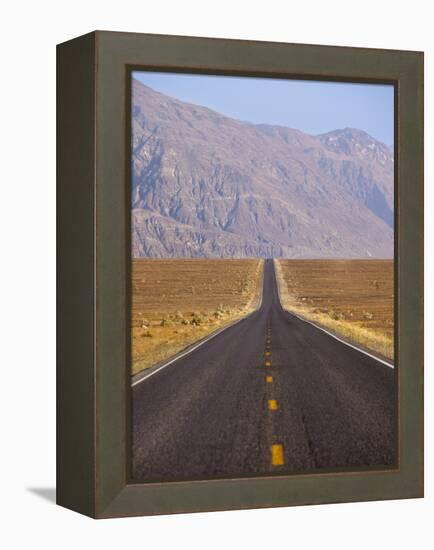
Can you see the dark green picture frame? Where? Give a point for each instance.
(93, 270)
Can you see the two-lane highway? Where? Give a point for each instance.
(270, 394)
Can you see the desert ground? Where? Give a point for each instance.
(270, 394)
(177, 302)
(353, 298)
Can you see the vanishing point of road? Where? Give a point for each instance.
(270, 394)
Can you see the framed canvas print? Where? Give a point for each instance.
(240, 263)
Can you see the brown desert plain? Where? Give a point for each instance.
(353, 298)
(176, 302)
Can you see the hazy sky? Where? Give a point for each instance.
(313, 107)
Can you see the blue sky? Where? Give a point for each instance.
(313, 107)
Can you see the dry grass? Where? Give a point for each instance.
(177, 302)
(353, 298)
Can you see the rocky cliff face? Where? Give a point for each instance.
(205, 185)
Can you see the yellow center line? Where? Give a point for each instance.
(277, 458)
(268, 363)
(267, 353)
(272, 405)
(269, 379)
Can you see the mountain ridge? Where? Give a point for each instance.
(207, 185)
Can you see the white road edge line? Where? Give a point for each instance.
(204, 341)
(390, 365)
(186, 352)
(387, 363)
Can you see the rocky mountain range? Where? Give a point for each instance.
(206, 185)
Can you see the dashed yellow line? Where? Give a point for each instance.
(277, 458)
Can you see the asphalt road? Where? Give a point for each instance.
(270, 394)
